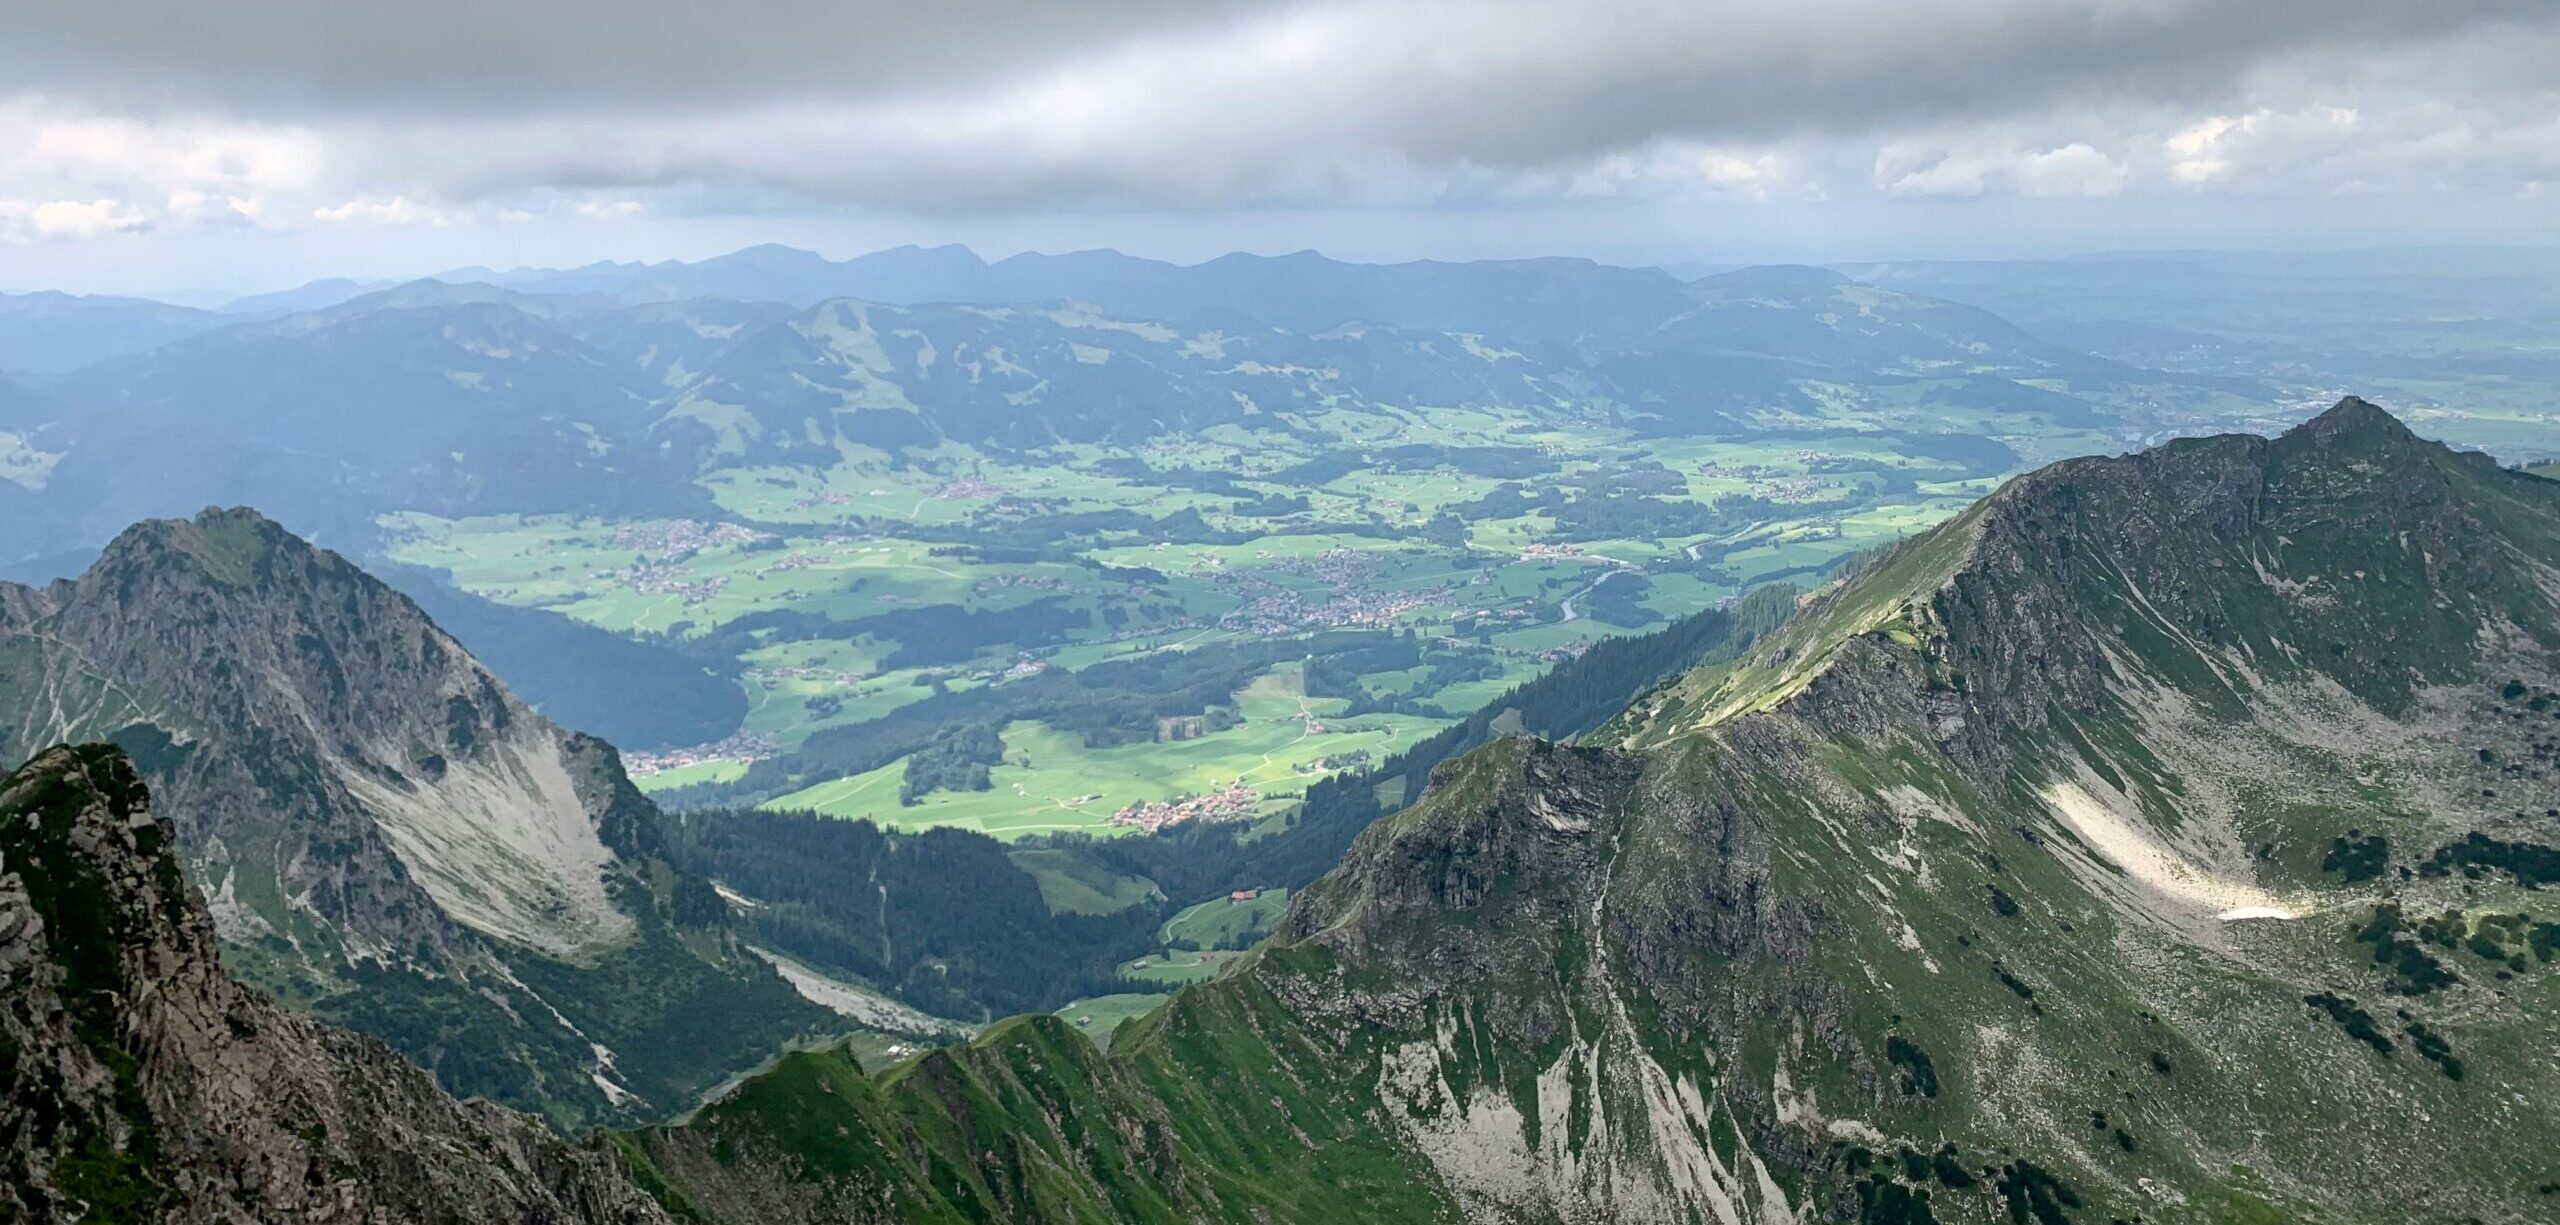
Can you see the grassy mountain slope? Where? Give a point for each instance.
(2159, 841)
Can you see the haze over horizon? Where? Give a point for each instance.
(167, 148)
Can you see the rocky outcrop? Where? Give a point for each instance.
(384, 833)
(142, 1084)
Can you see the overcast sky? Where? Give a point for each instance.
(172, 144)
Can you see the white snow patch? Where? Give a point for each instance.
(1857, 1132)
(1906, 800)
(613, 1093)
(231, 916)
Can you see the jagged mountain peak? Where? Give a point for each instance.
(226, 632)
(2355, 429)
(231, 545)
(2187, 566)
(2355, 413)
(278, 635)
(89, 851)
(382, 828)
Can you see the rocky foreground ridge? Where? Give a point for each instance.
(143, 1084)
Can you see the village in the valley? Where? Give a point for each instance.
(1235, 802)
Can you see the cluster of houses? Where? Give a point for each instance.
(743, 747)
(1280, 612)
(841, 678)
(1236, 802)
(970, 487)
(673, 538)
(671, 578)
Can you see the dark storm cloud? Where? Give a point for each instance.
(1494, 79)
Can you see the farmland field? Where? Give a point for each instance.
(1098, 1017)
(977, 582)
(838, 597)
(1226, 923)
(1073, 884)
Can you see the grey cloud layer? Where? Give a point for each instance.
(983, 104)
(316, 59)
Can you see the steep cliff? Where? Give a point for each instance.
(142, 1084)
(384, 833)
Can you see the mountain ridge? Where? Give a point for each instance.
(2044, 946)
(385, 833)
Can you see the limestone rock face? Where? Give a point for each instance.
(386, 835)
(143, 1084)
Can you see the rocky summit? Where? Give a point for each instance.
(384, 833)
(2163, 839)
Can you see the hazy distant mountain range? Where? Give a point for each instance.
(609, 389)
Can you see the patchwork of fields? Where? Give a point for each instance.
(1429, 559)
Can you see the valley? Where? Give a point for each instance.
(718, 715)
(1431, 560)
(2114, 849)
(1129, 543)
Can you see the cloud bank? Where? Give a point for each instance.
(156, 114)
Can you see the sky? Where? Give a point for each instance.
(174, 145)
